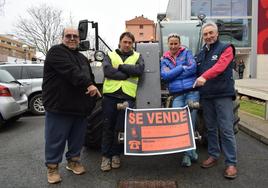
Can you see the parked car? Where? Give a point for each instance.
(31, 77)
(13, 99)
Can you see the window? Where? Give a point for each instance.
(201, 6)
(141, 34)
(5, 76)
(221, 7)
(241, 8)
(141, 26)
(234, 17)
(15, 71)
(235, 31)
(34, 71)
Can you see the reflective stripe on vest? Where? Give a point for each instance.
(128, 86)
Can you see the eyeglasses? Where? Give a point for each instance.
(70, 36)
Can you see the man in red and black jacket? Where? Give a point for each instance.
(214, 64)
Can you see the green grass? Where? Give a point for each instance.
(252, 108)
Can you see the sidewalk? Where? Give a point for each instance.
(257, 88)
(254, 126)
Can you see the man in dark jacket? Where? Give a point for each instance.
(68, 96)
(214, 63)
(122, 69)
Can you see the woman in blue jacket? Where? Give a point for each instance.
(178, 70)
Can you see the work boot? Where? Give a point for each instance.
(230, 172)
(53, 175)
(116, 161)
(105, 164)
(75, 166)
(210, 162)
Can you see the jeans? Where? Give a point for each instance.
(181, 101)
(219, 117)
(62, 128)
(113, 123)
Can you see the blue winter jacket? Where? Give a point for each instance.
(180, 74)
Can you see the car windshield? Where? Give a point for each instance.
(6, 76)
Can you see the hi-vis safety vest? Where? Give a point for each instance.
(128, 86)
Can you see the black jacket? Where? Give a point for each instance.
(67, 74)
(123, 72)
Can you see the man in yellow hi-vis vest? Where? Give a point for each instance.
(122, 69)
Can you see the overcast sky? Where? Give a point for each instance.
(110, 14)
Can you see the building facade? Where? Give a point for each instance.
(243, 23)
(13, 50)
(142, 28)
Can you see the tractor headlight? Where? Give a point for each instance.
(99, 55)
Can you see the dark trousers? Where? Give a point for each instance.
(240, 75)
(113, 123)
(60, 128)
(219, 118)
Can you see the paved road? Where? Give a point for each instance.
(22, 156)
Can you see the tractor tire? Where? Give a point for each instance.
(201, 128)
(94, 127)
(236, 116)
(36, 105)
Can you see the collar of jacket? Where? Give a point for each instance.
(75, 50)
(167, 55)
(209, 47)
(119, 52)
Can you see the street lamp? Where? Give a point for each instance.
(25, 48)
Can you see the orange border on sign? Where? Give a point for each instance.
(158, 144)
(164, 130)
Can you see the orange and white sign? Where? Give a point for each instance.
(158, 131)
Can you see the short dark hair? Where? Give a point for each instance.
(127, 34)
(174, 35)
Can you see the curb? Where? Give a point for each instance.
(252, 131)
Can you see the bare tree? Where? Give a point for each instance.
(42, 29)
(2, 4)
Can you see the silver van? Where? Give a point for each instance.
(31, 77)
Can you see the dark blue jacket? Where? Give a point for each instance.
(223, 84)
(180, 74)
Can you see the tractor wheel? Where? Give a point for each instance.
(201, 128)
(94, 127)
(236, 117)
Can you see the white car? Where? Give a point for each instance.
(31, 77)
(13, 99)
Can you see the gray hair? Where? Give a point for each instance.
(210, 23)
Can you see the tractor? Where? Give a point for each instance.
(152, 92)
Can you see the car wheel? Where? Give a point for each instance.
(36, 105)
(1, 121)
